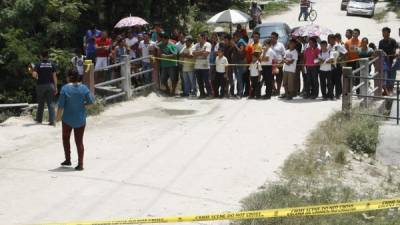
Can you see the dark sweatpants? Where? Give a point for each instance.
(311, 86)
(326, 82)
(78, 136)
(268, 80)
(220, 84)
(337, 80)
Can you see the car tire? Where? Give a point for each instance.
(348, 14)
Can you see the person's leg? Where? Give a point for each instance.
(246, 82)
(279, 78)
(147, 76)
(300, 14)
(306, 14)
(338, 82)
(164, 79)
(224, 86)
(307, 84)
(285, 82)
(50, 89)
(217, 85)
(212, 77)
(200, 81)
(193, 83)
(186, 84)
(315, 83)
(78, 135)
(253, 86)
(40, 95)
(269, 81)
(330, 84)
(66, 135)
(291, 85)
(239, 79)
(174, 79)
(231, 81)
(322, 80)
(206, 79)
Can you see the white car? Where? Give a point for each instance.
(361, 8)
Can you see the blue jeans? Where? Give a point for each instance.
(239, 71)
(147, 76)
(389, 73)
(189, 83)
(303, 11)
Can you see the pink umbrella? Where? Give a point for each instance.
(312, 30)
(131, 21)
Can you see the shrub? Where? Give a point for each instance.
(362, 134)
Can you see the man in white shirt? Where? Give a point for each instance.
(145, 47)
(267, 57)
(338, 51)
(130, 42)
(289, 71)
(202, 66)
(325, 58)
(279, 50)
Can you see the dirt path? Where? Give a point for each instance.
(153, 156)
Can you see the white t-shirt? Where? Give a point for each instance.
(271, 56)
(291, 55)
(255, 68)
(130, 43)
(324, 57)
(336, 50)
(279, 50)
(202, 62)
(220, 64)
(78, 63)
(146, 49)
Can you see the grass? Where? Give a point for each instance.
(305, 176)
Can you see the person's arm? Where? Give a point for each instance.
(55, 82)
(59, 113)
(61, 105)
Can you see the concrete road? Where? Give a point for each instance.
(151, 157)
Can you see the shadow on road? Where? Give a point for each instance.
(63, 169)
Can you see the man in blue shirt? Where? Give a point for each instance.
(74, 98)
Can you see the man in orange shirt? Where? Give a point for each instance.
(351, 46)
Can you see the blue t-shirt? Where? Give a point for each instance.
(91, 40)
(73, 98)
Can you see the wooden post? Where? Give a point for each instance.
(364, 74)
(347, 90)
(379, 68)
(126, 72)
(88, 76)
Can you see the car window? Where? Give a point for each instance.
(366, 1)
(265, 31)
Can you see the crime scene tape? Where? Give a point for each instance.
(246, 64)
(318, 210)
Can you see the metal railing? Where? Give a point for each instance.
(127, 90)
(350, 91)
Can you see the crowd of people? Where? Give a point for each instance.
(237, 66)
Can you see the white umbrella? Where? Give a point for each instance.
(229, 16)
(131, 21)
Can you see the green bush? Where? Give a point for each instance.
(362, 134)
(98, 107)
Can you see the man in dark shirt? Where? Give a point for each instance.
(46, 88)
(228, 53)
(389, 46)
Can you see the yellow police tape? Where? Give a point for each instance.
(317, 210)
